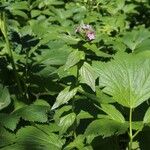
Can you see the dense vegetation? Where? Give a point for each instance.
(74, 75)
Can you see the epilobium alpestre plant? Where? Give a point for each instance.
(67, 90)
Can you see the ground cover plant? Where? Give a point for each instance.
(74, 75)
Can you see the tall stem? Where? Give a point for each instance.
(9, 51)
(130, 130)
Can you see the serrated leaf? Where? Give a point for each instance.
(19, 6)
(60, 111)
(64, 96)
(9, 121)
(73, 58)
(105, 128)
(113, 113)
(88, 75)
(36, 139)
(126, 78)
(77, 143)
(41, 102)
(7, 138)
(84, 115)
(137, 39)
(19, 13)
(147, 116)
(4, 97)
(35, 113)
(66, 121)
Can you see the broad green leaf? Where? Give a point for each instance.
(37, 139)
(19, 6)
(137, 125)
(59, 112)
(64, 96)
(41, 102)
(73, 58)
(66, 121)
(19, 13)
(113, 113)
(55, 56)
(102, 97)
(147, 116)
(96, 50)
(87, 148)
(105, 128)
(37, 113)
(62, 72)
(84, 115)
(77, 143)
(7, 138)
(88, 75)
(126, 79)
(35, 13)
(4, 97)
(137, 39)
(9, 121)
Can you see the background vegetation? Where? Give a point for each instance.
(74, 74)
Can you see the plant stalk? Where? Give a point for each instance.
(9, 51)
(130, 130)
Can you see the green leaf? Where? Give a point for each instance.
(35, 13)
(33, 113)
(137, 125)
(102, 97)
(19, 13)
(113, 113)
(61, 111)
(137, 39)
(19, 6)
(88, 75)
(66, 121)
(105, 128)
(55, 56)
(84, 115)
(96, 50)
(77, 143)
(36, 139)
(6, 137)
(147, 116)
(64, 96)
(73, 58)
(4, 97)
(126, 79)
(9, 121)
(41, 102)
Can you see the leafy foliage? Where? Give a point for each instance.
(74, 74)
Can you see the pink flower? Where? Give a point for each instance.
(90, 35)
(86, 30)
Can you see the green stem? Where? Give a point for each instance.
(9, 51)
(137, 132)
(130, 130)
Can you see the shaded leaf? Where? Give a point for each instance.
(9, 121)
(74, 58)
(37, 113)
(4, 97)
(113, 113)
(147, 116)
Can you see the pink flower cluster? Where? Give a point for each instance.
(87, 31)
